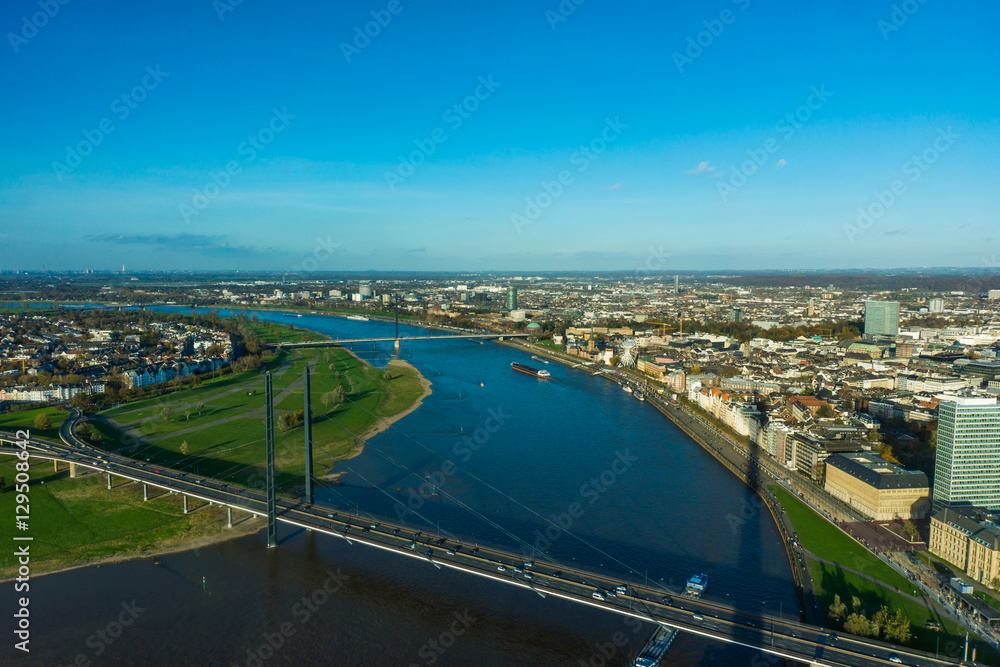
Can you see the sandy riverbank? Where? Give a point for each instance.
(384, 423)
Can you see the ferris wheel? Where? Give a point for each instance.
(628, 352)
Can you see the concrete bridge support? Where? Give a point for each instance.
(145, 492)
(185, 504)
(72, 470)
(109, 481)
(396, 345)
(229, 517)
(55, 466)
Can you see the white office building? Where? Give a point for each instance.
(967, 464)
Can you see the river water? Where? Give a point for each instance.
(571, 468)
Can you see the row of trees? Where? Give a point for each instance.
(882, 624)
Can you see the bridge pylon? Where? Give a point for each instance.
(307, 427)
(272, 519)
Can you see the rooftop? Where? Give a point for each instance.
(875, 471)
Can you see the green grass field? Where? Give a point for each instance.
(823, 539)
(830, 580)
(74, 521)
(13, 421)
(226, 439)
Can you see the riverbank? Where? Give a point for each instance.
(207, 431)
(78, 522)
(385, 423)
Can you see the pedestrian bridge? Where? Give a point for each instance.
(778, 636)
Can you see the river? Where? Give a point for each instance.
(654, 506)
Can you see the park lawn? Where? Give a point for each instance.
(824, 540)
(829, 580)
(273, 332)
(194, 395)
(25, 419)
(227, 440)
(74, 521)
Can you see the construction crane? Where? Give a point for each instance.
(666, 325)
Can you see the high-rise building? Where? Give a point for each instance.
(736, 315)
(677, 284)
(811, 312)
(967, 463)
(936, 305)
(881, 318)
(993, 294)
(511, 298)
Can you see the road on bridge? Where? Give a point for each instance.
(778, 636)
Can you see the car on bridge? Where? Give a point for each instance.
(597, 595)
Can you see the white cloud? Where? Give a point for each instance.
(780, 163)
(702, 168)
(616, 186)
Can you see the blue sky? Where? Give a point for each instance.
(721, 135)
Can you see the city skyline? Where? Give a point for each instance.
(516, 138)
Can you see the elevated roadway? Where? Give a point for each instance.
(782, 637)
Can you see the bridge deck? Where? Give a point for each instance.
(777, 636)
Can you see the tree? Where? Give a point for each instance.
(185, 448)
(387, 375)
(898, 628)
(825, 412)
(911, 530)
(187, 415)
(165, 414)
(199, 407)
(42, 422)
(880, 621)
(858, 624)
(995, 583)
(838, 610)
